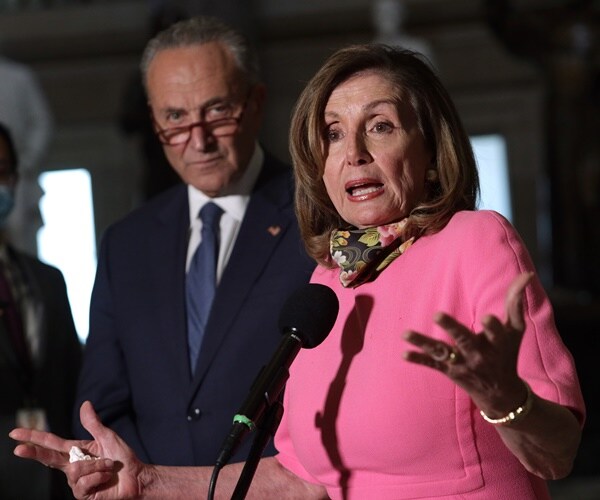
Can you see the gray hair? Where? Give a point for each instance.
(199, 31)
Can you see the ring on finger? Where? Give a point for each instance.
(452, 357)
(440, 353)
(443, 353)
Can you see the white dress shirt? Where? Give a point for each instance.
(234, 207)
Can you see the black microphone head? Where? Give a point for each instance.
(310, 312)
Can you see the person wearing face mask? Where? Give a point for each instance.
(25, 110)
(40, 353)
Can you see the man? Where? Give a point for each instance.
(40, 353)
(141, 371)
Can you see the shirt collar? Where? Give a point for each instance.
(235, 202)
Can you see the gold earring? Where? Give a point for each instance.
(431, 175)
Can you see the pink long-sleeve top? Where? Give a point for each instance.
(367, 424)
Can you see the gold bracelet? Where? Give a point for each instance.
(517, 414)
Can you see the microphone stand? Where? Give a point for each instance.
(266, 431)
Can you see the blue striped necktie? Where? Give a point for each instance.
(201, 279)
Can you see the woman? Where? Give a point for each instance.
(383, 135)
(386, 191)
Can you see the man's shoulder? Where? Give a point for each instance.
(271, 160)
(173, 200)
(275, 177)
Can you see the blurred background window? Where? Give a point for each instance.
(490, 155)
(67, 239)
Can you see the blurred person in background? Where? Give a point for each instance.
(25, 111)
(40, 352)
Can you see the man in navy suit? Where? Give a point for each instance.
(206, 101)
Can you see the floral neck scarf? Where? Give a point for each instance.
(362, 254)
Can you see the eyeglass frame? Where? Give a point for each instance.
(207, 126)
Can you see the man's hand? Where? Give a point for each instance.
(114, 471)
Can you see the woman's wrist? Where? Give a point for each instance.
(519, 413)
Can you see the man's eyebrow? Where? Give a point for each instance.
(207, 104)
(216, 100)
(170, 109)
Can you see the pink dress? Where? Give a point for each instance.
(367, 424)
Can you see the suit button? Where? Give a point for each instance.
(194, 415)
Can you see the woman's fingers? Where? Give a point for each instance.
(514, 302)
(463, 337)
(436, 354)
(496, 331)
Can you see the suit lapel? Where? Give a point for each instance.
(168, 251)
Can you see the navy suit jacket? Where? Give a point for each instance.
(136, 369)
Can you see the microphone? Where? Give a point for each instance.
(305, 320)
